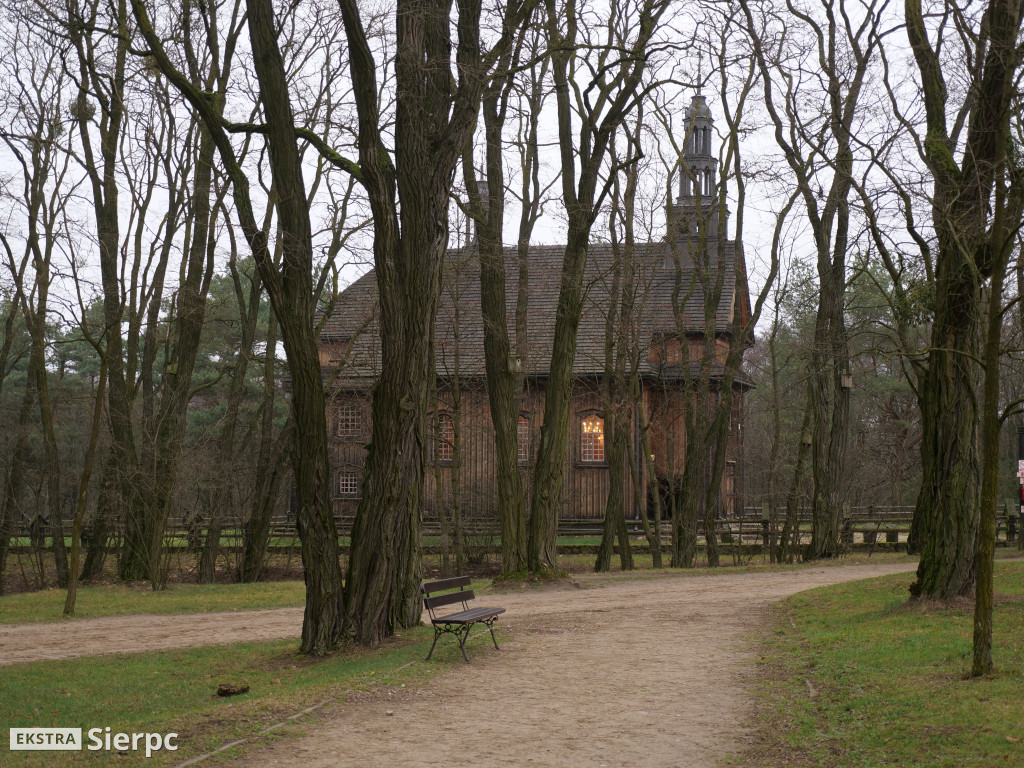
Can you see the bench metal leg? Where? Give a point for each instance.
(490, 626)
(437, 634)
(463, 637)
(461, 632)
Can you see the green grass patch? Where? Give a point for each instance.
(119, 599)
(856, 676)
(174, 691)
(643, 566)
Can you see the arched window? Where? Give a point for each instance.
(524, 439)
(592, 439)
(445, 442)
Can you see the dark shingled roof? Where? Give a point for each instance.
(352, 318)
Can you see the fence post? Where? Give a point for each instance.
(846, 534)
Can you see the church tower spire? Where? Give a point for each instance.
(697, 204)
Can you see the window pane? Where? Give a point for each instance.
(592, 439)
(524, 439)
(446, 439)
(348, 484)
(346, 422)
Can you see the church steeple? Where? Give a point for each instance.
(697, 204)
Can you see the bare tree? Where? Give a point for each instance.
(291, 293)
(34, 139)
(505, 353)
(969, 241)
(597, 102)
(830, 49)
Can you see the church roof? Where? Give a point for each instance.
(352, 321)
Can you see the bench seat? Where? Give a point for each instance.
(471, 616)
(448, 592)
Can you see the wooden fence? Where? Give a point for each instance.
(870, 526)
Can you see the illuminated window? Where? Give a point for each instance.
(346, 420)
(524, 439)
(592, 439)
(348, 484)
(445, 438)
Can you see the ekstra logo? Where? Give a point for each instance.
(46, 738)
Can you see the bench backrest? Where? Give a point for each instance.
(438, 594)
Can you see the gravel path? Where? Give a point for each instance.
(619, 672)
(610, 671)
(143, 632)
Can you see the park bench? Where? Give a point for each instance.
(449, 592)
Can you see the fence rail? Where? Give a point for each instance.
(863, 525)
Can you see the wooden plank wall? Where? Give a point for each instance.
(584, 486)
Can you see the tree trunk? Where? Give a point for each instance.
(99, 527)
(789, 539)
(614, 526)
(550, 464)
(248, 315)
(52, 464)
(652, 530)
(210, 551)
(503, 372)
(946, 515)
(83, 492)
(272, 470)
(14, 480)
(981, 662)
(384, 568)
(409, 200)
(830, 408)
(180, 363)
(104, 184)
(269, 470)
(579, 191)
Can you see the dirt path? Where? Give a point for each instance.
(146, 632)
(611, 672)
(630, 672)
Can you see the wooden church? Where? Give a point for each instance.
(667, 332)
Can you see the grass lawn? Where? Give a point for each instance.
(118, 599)
(854, 676)
(173, 691)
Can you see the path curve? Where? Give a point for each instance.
(628, 672)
